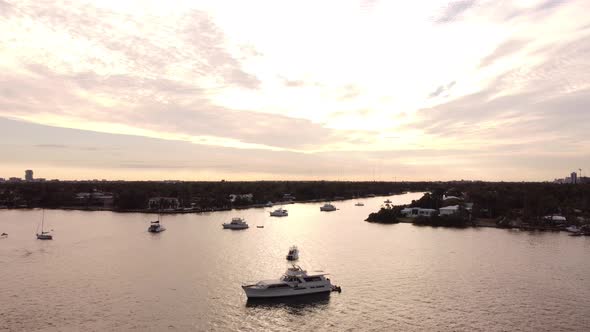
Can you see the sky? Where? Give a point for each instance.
(306, 90)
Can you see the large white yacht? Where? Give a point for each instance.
(293, 254)
(280, 212)
(294, 282)
(328, 207)
(236, 223)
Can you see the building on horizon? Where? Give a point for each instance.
(29, 175)
(574, 178)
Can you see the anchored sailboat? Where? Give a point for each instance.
(43, 235)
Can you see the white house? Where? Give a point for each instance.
(555, 218)
(417, 212)
(449, 210)
(167, 203)
(243, 197)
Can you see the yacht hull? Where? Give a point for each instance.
(253, 293)
(225, 226)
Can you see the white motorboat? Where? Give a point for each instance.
(156, 227)
(359, 204)
(327, 207)
(293, 254)
(280, 212)
(269, 204)
(43, 235)
(236, 223)
(294, 282)
(572, 229)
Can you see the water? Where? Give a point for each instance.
(103, 271)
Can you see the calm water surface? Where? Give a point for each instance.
(103, 271)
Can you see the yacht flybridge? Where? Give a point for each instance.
(294, 282)
(280, 212)
(236, 223)
(327, 207)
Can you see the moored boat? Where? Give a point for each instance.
(44, 235)
(359, 204)
(327, 207)
(293, 254)
(156, 227)
(236, 223)
(295, 282)
(280, 212)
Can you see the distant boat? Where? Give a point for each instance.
(43, 235)
(327, 207)
(236, 223)
(156, 227)
(3, 235)
(280, 212)
(572, 229)
(359, 204)
(269, 204)
(387, 201)
(293, 254)
(259, 226)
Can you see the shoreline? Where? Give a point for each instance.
(193, 210)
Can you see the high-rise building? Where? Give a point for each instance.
(574, 178)
(29, 175)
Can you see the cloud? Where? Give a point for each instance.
(441, 89)
(453, 10)
(148, 46)
(293, 83)
(507, 48)
(5, 8)
(49, 91)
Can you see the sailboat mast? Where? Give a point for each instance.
(42, 220)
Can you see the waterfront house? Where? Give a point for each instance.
(449, 210)
(557, 219)
(241, 197)
(96, 198)
(418, 212)
(168, 203)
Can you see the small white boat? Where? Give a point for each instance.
(269, 204)
(327, 207)
(280, 212)
(359, 204)
(44, 235)
(236, 223)
(572, 229)
(293, 254)
(294, 282)
(387, 201)
(155, 227)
